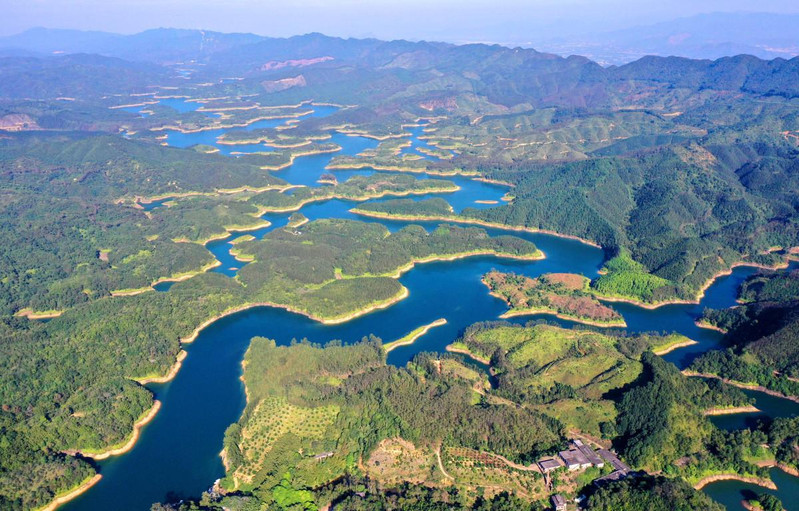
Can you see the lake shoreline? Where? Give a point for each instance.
(494, 182)
(452, 349)
(327, 321)
(265, 140)
(29, 313)
(533, 312)
(613, 299)
(765, 483)
(137, 426)
(400, 296)
(462, 220)
(701, 293)
(228, 231)
(675, 346)
(244, 124)
(758, 388)
(715, 412)
(139, 199)
(173, 371)
(536, 256)
(71, 494)
(177, 278)
(396, 168)
(361, 198)
(413, 336)
(708, 326)
(294, 156)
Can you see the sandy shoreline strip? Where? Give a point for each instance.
(732, 410)
(494, 181)
(758, 388)
(672, 347)
(131, 441)
(463, 255)
(329, 321)
(470, 221)
(453, 349)
(63, 499)
(411, 338)
(173, 371)
(534, 312)
(138, 199)
(243, 124)
(396, 168)
(708, 326)
(361, 198)
(765, 483)
(32, 314)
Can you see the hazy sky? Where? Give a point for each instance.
(448, 20)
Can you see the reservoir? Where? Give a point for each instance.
(177, 454)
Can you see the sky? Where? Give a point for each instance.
(501, 21)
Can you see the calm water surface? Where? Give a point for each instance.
(769, 406)
(177, 455)
(731, 493)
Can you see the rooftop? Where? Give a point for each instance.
(574, 457)
(589, 453)
(614, 460)
(549, 464)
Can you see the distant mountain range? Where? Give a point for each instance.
(162, 45)
(704, 36)
(505, 76)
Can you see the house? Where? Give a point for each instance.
(590, 454)
(614, 461)
(559, 502)
(549, 465)
(320, 457)
(574, 459)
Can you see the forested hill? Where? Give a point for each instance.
(74, 76)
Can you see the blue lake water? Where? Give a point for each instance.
(149, 206)
(769, 406)
(180, 104)
(177, 454)
(731, 493)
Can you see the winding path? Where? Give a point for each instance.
(441, 465)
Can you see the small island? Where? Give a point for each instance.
(565, 295)
(413, 335)
(356, 188)
(388, 156)
(763, 502)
